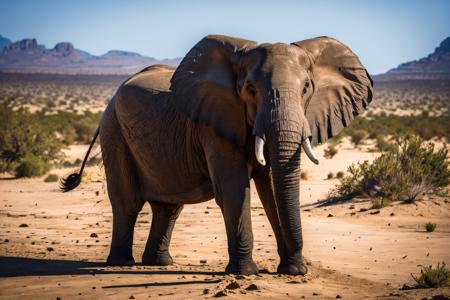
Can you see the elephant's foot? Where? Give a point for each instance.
(247, 267)
(295, 267)
(161, 259)
(120, 260)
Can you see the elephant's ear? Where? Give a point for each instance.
(204, 86)
(342, 87)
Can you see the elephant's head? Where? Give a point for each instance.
(290, 95)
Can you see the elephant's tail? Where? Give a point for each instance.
(74, 179)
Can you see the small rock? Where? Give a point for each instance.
(50, 249)
(97, 193)
(6, 240)
(316, 294)
(392, 214)
(330, 216)
(203, 261)
(233, 285)
(252, 287)
(293, 282)
(338, 296)
(220, 294)
(205, 291)
(131, 297)
(23, 225)
(94, 235)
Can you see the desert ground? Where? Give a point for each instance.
(54, 245)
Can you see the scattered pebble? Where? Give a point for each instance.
(252, 287)
(203, 261)
(233, 285)
(23, 225)
(94, 235)
(330, 216)
(50, 249)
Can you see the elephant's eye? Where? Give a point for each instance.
(251, 89)
(305, 88)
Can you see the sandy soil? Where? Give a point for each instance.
(54, 245)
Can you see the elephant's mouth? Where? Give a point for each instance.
(259, 150)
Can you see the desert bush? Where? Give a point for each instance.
(383, 145)
(430, 227)
(330, 175)
(433, 278)
(304, 175)
(378, 203)
(339, 174)
(51, 178)
(407, 172)
(31, 166)
(357, 136)
(27, 144)
(331, 151)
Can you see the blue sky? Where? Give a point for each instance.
(383, 33)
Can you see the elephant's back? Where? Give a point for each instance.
(155, 77)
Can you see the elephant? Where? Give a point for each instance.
(231, 112)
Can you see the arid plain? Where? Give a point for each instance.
(55, 245)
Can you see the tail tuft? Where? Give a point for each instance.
(71, 182)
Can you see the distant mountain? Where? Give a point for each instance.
(27, 56)
(3, 42)
(434, 66)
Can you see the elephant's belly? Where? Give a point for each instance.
(201, 193)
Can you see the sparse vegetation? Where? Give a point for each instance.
(51, 178)
(357, 136)
(304, 175)
(430, 227)
(30, 142)
(339, 174)
(331, 151)
(433, 278)
(378, 203)
(31, 166)
(406, 173)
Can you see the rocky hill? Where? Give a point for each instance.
(3, 42)
(27, 56)
(434, 66)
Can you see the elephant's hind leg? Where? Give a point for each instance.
(163, 221)
(123, 190)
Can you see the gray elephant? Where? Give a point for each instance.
(231, 112)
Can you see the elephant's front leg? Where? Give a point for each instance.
(266, 194)
(232, 193)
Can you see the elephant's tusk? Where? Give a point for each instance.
(259, 150)
(310, 152)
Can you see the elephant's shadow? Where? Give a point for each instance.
(23, 266)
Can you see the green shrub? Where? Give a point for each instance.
(430, 227)
(378, 203)
(383, 145)
(51, 178)
(330, 151)
(407, 172)
(357, 136)
(433, 278)
(27, 143)
(31, 166)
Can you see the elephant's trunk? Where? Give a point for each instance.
(286, 129)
